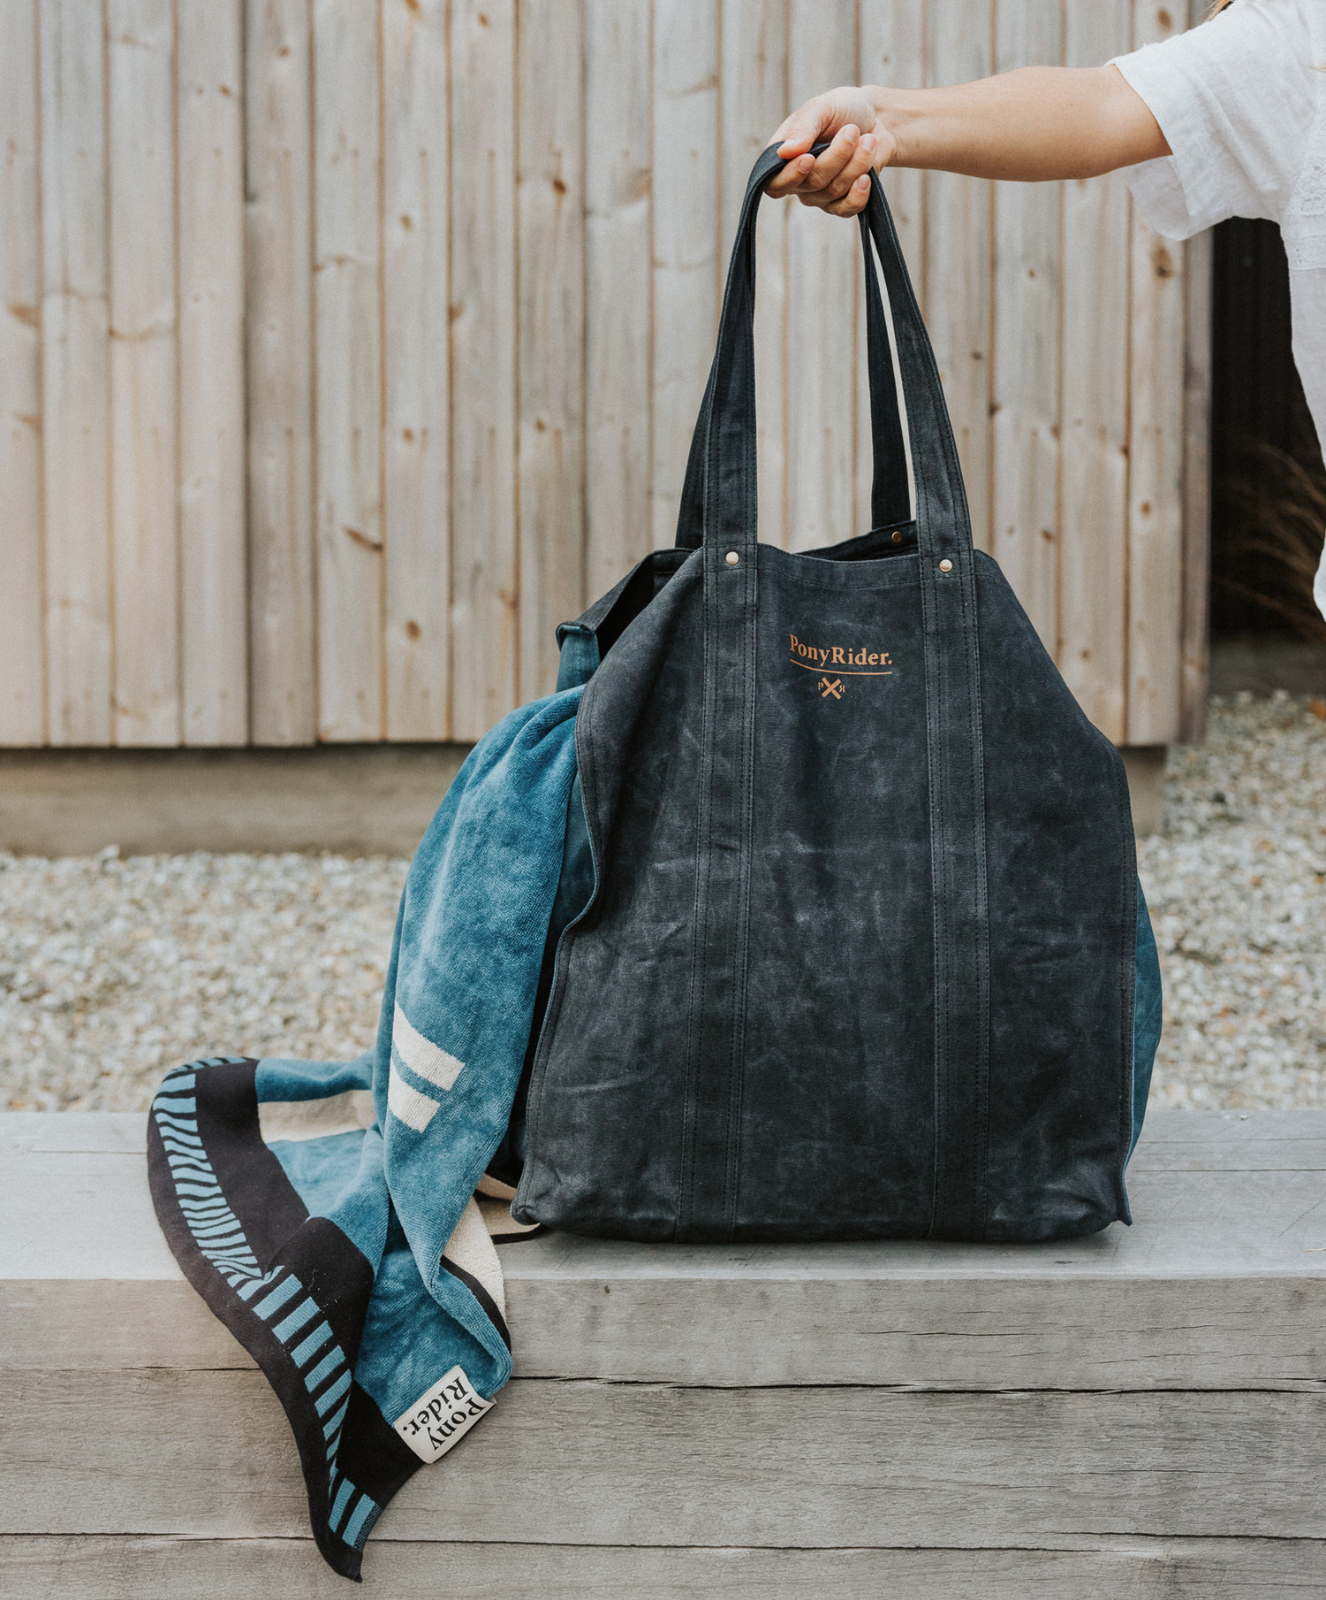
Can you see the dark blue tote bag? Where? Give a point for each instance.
(864, 954)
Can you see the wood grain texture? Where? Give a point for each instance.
(1096, 363)
(22, 651)
(754, 99)
(1156, 447)
(279, 300)
(145, 571)
(100, 1568)
(348, 364)
(823, 287)
(657, 1464)
(1196, 566)
(1025, 437)
(686, 253)
(416, 232)
(618, 302)
(485, 575)
(958, 268)
(209, 94)
(75, 378)
(550, 197)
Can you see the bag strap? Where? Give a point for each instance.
(890, 493)
(719, 495)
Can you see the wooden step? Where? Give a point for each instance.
(1142, 1413)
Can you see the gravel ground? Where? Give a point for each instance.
(113, 970)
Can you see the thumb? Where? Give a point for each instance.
(806, 126)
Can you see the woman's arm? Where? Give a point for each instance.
(1034, 124)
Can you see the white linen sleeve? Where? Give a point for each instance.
(1235, 100)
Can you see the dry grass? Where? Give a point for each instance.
(1283, 520)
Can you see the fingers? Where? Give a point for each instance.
(852, 202)
(839, 180)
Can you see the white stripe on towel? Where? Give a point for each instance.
(415, 1110)
(422, 1055)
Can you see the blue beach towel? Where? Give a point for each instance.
(339, 1217)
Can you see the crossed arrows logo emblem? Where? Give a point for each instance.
(835, 688)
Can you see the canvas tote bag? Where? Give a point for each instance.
(860, 955)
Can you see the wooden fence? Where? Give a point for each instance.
(350, 345)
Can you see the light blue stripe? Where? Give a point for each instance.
(176, 1139)
(268, 1308)
(250, 1289)
(200, 1191)
(333, 1428)
(179, 1124)
(224, 1222)
(206, 1208)
(365, 1507)
(179, 1104)
(296, 1320)
(338, 1505)
(311, 1345)
(324, 1369)
(328, 1398)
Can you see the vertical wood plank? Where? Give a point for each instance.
(22, 677)
(417, 392)
(1094, 484)
(823, 290)
(143, 372)
(1025, 441)
(685, 239)
(958, 221)
(550, 247)
(618, 301)
(75, 374)
(210, 207)
(1195, 642)
(893, 53)
(485, 668)
(280, 371)
(1156, 452)
(348, 400)
(753, 101)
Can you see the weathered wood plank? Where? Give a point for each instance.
(210, 203)
(22, 668)
(254, 1569)
(1195, 641)
(618, 300)
(416, 524)
(958, 217)
(823, 287)
(753, 101)
(485, 575)
(593, 1463)
(1025, 441)
(279, 300)
(1156, 456)
(348, 363)
(1221, 1282)
(145, 567)
(75, 358)
(1095, 375)
(687, 269)
(550, 194)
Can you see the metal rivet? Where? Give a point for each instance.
(897, 538)
(946, 565)
(732, 558)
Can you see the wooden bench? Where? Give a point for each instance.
(1137, 1414)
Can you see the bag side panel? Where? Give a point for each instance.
(1062, 906)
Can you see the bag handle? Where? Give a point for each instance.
(890, 494)
(719, 496)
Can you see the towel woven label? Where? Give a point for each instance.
(441, 1416)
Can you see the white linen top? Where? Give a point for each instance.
(1241, 101)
